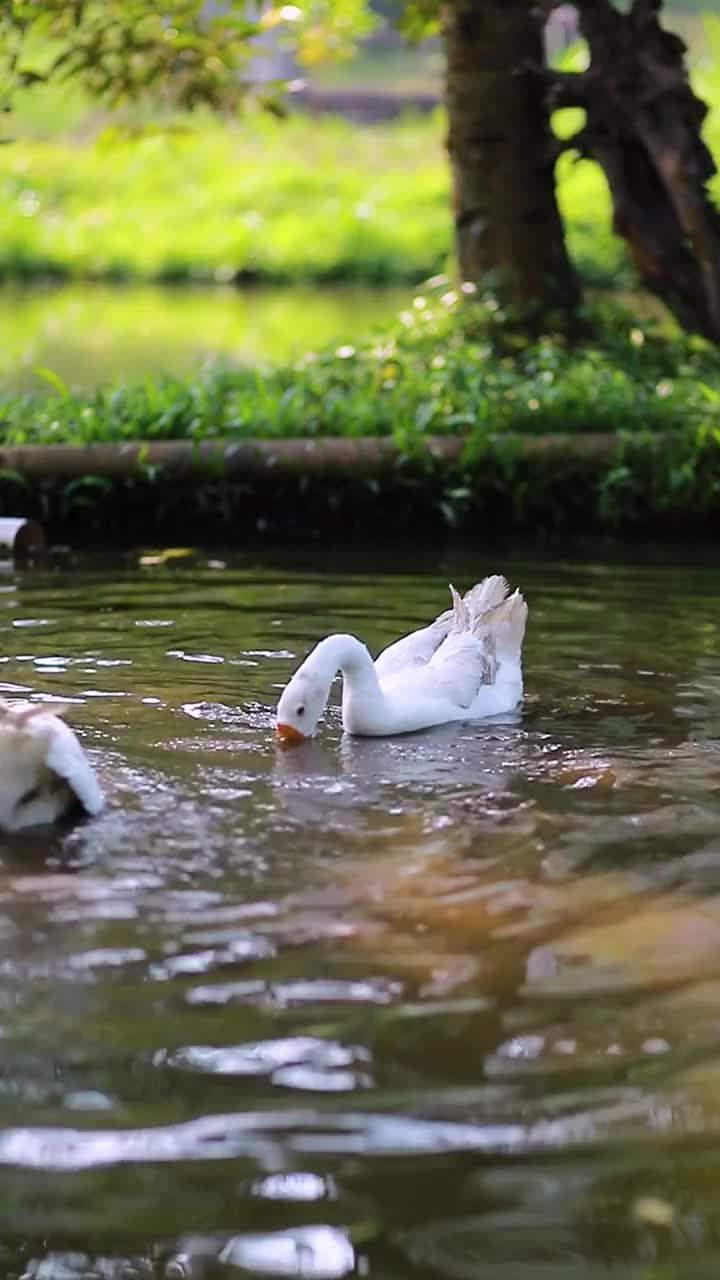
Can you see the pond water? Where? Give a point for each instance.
(90, 334)
(445, 1006)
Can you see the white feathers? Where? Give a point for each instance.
(464, 665)
(462, 649)
(484, 642)
(418, 648)
(44, 772)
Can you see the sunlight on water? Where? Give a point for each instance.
(444, 1005)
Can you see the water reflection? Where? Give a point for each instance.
(444, 1005)
(92, 334)
(317, 1251)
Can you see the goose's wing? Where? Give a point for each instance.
(462, 664)
(66, 758)
(416, 649)
(481, 648)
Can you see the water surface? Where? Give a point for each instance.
(446, 1005)
(91, 334)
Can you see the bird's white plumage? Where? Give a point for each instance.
(415, 649)
(465, 664)
(44, 771)
(418, 647)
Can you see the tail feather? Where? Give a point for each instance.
(505, 623)
(483, 596)
(489, 612)
(469, 611)
(17, 714)
(486, 594)
(460, 616)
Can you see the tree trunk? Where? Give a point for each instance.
(508, 230)
(643, 128)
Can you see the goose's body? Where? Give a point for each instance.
(464, 665)
(44, 772)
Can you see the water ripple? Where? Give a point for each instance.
(446, 1002)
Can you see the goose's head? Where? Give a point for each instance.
(300, 707)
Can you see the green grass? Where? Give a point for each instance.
(446, 368)
(273, 201)
(278, 202)
(306, 200)
(303, 200)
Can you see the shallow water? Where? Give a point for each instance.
(443, 1006)
(91, 334)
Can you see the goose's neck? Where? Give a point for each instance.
(346, 654)
(360, 682)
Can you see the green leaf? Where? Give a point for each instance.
(49, 375)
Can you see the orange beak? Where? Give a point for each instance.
(289, 736)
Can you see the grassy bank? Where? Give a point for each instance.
(300, 200)
(447, 365)
(304, 200)
(444, 369)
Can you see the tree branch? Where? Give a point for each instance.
(643, 129)
(643, 11)
(564, 88)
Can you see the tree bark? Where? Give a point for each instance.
(508, 230)
(642, 127)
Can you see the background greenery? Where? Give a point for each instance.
(309, 202)
(447, 365)
(259, 199)
(269, 200)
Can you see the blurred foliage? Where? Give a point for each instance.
(186, 52)
(269, 201)
(451, 365)
(322, 200)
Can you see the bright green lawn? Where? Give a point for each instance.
(282, 201)
(301, 200)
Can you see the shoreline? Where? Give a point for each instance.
(352, 489)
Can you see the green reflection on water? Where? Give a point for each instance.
(91, 334)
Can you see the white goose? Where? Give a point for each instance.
(44, 772)
(465, 665)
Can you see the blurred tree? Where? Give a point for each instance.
(186, 53)
(507, 225)
(643, 127)
(642, 118)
